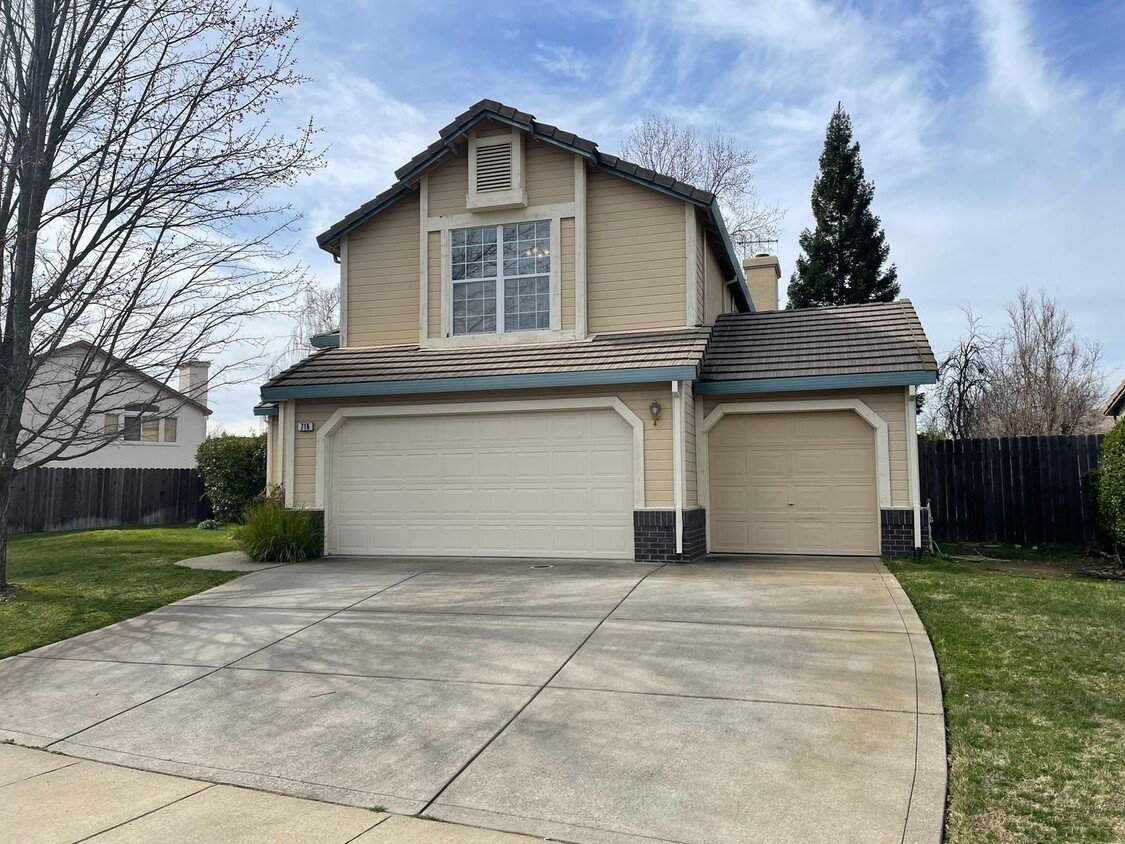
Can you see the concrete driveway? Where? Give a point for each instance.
(740, 700)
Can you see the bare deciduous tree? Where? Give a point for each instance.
(959, 395)
(319, 313)
(717, 164)
(135, 209)
(1034, 378)
(1045, 379)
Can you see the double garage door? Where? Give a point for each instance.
(527, 484)
(793, 483)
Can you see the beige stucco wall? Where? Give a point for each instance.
(658, 438)
(889, 403)
(383, 295)
(636, 257)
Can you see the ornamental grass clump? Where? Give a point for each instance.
(272, 534)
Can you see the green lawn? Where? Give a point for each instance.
(69, 583)
(1032, 661)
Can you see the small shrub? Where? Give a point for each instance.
(210, 524)
(273, 494)
(272, 534)
(234, 472)
(1111, 484)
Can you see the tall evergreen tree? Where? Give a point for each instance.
(842, 260)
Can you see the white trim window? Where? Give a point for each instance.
(132, 426)
(501, 278)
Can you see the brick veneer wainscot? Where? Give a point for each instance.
(654, 536)
(896, 530)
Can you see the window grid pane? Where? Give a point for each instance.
(132, 428)
(523, 276)
(150, 431)
(170, 429)
(527, 304)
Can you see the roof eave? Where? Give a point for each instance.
(480, 383)
(795, 383)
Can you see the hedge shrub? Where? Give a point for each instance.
(272, 534)
(1111, 484)
(234, 472)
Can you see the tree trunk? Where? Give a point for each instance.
(7, 475)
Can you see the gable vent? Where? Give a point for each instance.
(494, 167)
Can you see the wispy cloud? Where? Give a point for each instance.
(1017, 68)
(562, 60)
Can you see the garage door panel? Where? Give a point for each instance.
(768, 498)
(769, 535)
(554, 483)
(801, 482)
(767, 462)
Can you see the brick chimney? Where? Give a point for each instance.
(762, 274)
(193, 379)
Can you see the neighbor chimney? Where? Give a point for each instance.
(762, 274)
(193, 379)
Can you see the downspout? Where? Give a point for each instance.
(912, 450)
(677, 463)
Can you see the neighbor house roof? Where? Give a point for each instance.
(88, 347)
(408, 174)
(602, 359)
(868, 344)
(1116, 404)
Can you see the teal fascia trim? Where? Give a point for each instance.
(325, 341)
(815, 382)
(382, 206)
(486, 382)
(721, 223)
(265, 411)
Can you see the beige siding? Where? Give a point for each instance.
(566, 276)
(548, 174)
(658, 438)
(889, 403)
(715, 296)
(548, 178)
(449, 182)
(433, 268)
(383, 272)
(691, 485)
(272, 463)
(636, 256)
(700, 270)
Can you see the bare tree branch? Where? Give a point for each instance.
(136, 203)
(717, 164)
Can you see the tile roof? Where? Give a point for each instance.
(636, 350)
(491, 109)
(844, 340)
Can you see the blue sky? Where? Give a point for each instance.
(994, 130)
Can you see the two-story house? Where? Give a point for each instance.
(88, 409)
(546, 351)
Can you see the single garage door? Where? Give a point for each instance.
(794, 483)
(534, 484)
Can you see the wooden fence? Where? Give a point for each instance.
(1023, 490)
(79, 499)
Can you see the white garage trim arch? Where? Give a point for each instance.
(882, 439)
(343, 414)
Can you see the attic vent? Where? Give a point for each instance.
(494, 167)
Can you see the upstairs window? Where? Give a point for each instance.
(134, 426)
(501, 278)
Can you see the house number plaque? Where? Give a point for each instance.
(304, 426)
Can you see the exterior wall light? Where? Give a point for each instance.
(654, 409)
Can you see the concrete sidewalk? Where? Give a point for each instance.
(57, 799)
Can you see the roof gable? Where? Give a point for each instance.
(491, 110)
(87, 348)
